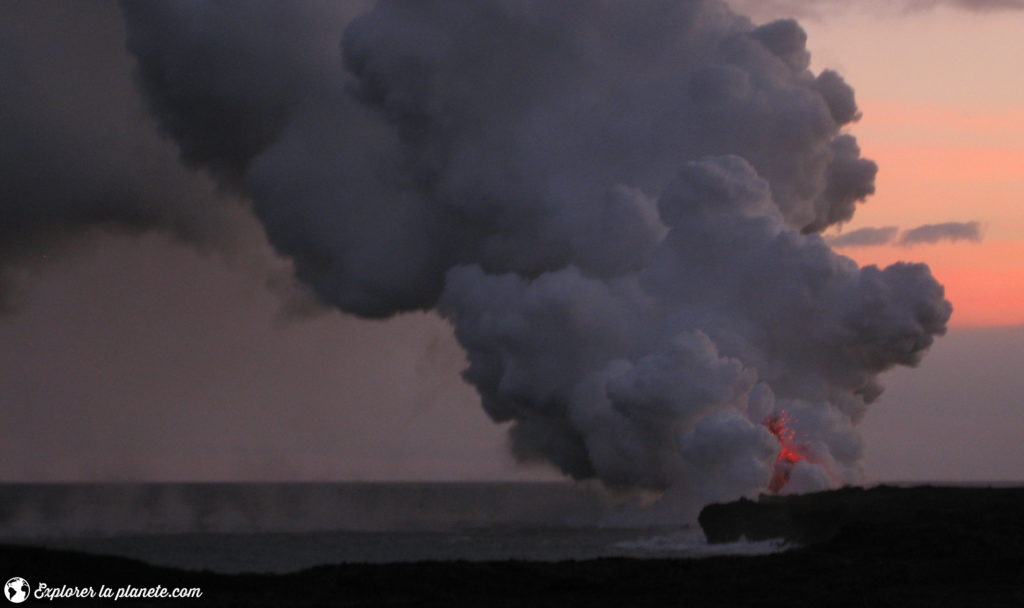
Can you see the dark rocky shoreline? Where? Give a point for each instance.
(987, 514)
(901, 547)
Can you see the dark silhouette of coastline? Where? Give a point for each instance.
(906, 547)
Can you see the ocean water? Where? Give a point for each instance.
(235, 528)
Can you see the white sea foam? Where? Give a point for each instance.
(691, 543)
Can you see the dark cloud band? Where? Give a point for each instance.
(948, 231)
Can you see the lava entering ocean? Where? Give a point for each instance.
(790, 452)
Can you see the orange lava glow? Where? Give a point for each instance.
(790, 452)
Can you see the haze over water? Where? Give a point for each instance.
(287, 527)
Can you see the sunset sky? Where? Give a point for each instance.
(178, 364)
(943, 115)
(944, 119)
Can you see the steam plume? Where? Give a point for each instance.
(614, 203)
(78, 154)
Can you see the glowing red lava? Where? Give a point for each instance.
(790, 452)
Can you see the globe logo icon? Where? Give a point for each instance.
(16, 590)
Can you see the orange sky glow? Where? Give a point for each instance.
(939, 164)
(944, 119)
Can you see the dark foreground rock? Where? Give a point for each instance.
(969, 552)
(986, 515)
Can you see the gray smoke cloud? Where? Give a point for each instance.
(615, 204)
(430, 147)
(78, 154)
(948, 231)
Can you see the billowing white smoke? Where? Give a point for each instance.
(615, 203)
